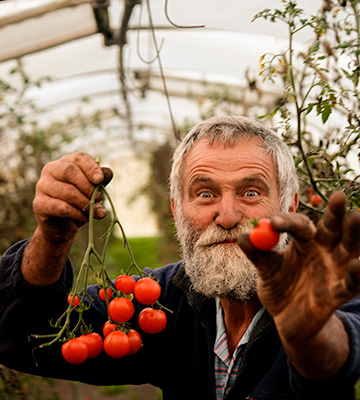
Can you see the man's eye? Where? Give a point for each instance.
(205, 195)
(251, 193)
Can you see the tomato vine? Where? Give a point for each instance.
(117, 296)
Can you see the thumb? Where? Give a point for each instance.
(108, 175)
(267, 262)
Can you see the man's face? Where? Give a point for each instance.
(224, 187)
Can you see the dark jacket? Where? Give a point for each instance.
(179, 360)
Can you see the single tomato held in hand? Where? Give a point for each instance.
(263, 236)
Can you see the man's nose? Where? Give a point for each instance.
(227, 214)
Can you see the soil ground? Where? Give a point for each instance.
(79, 391)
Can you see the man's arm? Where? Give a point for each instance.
(304, 285)
(62, 194)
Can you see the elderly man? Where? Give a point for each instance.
(285, 325)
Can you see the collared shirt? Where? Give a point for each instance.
(226, 366)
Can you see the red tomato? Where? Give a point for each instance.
(125, 283)
(147, 291)
(135, 341)
(121, 309)
(94, 343)
(76, 301)
(152, 320)
(108, 328)
(263, 236)
(309, 191)
(102, 293)
(75, 351)
(315, 199)
(117, 344)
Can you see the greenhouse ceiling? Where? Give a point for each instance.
(82, 45)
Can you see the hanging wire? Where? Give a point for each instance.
(138, 43)
(176, 25)
(157, 50)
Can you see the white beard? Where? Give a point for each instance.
(218, 270)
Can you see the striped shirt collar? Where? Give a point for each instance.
(220, 325)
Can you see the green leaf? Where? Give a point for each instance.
(315, 47)
(326, 111)
(309, 108)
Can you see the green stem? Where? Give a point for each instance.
(126, 243)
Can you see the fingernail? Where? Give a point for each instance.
(97, 177)
(277, 220)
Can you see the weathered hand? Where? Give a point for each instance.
(318, 272)
(63, 192)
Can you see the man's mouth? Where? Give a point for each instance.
(226, 241)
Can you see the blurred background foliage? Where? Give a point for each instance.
(317, 112)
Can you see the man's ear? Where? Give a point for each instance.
(173, 208)
(294, 205)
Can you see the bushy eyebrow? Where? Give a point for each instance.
(255, 179)
(200, 179)
(249, 180)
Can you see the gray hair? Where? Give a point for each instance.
(229, 130)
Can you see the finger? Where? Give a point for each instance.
(62, 191)
(351, 235)
(88, 165)
(108, 175)
(66, 172)
(299, 226)
(55, 208)
(99, 211)
(329, 229)
(268, 262)
(349, 286)
(349, 246)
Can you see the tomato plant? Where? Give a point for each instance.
(121, 309)
(76, 301)
(147, 290)
(125, 283)
(263, 236)
(94, 343)
(152, 320)
(108, 328)
(102, 293)
(117, 344)
(75, 351)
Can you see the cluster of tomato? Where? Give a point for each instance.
(119, 342)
